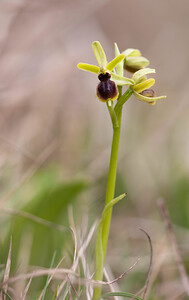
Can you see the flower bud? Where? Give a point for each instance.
(135, 63)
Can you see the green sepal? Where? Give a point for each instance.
(148, 99)
(113, 63)
(120, 80)
(89, 67)
(99, 54)
(144, 85)
(119, 67)
(143, 72)
(132, 52)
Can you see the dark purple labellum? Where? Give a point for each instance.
(107, 90)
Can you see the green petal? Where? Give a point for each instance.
(120, 80)
(88, 67)
(148, 99)
(119, 67)
(144, 85)
(99, 54)
(111, 65)
(143, 72)
(132, 52)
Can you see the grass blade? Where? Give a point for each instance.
(47, 281)
(121, 294)
(7, 272)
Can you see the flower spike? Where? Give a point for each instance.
(107, 88)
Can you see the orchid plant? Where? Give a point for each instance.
(111, 81)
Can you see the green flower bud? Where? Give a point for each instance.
(135, 63)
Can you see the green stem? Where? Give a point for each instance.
(101, 244)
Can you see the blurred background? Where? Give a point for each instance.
(55, 138)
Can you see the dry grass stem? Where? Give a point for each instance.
(172, 237)
(112, 288)
(58, 275)
(119, 277)
(150, 264)
(23, 296)
(7, 272)
(50, 278)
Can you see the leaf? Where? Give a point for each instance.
(89, 68)
(121, 294)
(50, 203)
(99, 54)
(99, 246)
(112, 64)
(111, 204)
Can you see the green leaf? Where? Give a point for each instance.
(119, 67)
(144, 85)
(99, 54)
(111, 65)
(111, 204)
(50, 202)
(99, 247)
(121, 294)
(150, 100)
(132, 52)
(141, 73)
(120, 80)
(89, 68)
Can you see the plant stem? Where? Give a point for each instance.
(110, 190)
(101, 246)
